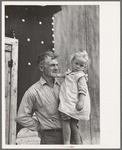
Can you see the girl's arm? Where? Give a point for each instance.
(82, 90)
(80, 103)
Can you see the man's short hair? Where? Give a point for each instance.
(41, 57)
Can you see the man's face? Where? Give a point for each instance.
(50, 67)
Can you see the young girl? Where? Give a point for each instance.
(74, 98)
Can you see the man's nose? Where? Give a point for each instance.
(56, 67)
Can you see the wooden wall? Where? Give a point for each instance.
(77, 28)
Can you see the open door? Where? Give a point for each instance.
(11, 76)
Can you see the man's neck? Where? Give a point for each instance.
(50, 81)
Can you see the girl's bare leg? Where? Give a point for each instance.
(75, 132)
(66, 131)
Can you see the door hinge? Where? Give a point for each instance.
(10, 63)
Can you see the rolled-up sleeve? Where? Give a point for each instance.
(25, 112)
(82, 86)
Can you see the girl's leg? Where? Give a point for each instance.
(75, 131)
(66, 131)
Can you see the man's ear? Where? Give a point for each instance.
(41, 68)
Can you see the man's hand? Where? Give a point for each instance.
(79, 105)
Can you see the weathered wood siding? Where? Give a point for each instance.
(11, 86)
(7, 91)
(77, 28)
(92, 26)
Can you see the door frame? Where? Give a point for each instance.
(14, 88)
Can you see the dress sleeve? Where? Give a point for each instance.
(25, 112)
(82, 86)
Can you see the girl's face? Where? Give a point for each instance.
(78, 64)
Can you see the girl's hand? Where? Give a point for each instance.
(79, 105)
(60, 75)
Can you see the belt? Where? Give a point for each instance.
(52, 130)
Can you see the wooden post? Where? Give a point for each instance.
(12, 100)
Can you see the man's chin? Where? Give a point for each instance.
(54, 75)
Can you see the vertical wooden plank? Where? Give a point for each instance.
(7, 91)
(85, 131)
(13, 91)
(92, 32)
(14, 77)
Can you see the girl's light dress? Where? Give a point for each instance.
(75, 83)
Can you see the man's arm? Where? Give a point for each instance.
(25, 112)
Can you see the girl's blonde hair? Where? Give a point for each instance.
(82, 55)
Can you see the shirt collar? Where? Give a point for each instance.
(57, 81)
(42, 81)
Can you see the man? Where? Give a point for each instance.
(43, 99)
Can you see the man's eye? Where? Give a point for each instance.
(53, 65)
